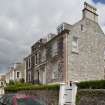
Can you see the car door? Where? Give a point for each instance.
(6, 100)
(9, 100)
(1, 100)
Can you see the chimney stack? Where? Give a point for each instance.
(90, 12)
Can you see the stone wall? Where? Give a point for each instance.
(91, 97)
(50, 97)
(84, 96)
(88, 63)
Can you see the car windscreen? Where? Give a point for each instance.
(28, 101)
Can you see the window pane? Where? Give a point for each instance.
(75, 44)
(55, 71)
(18, 74)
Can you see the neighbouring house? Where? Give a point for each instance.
(36, 63)
(28, 70)
(16, 72)
(47, 56)
(75, 53)
(2, 84)
(2, 80)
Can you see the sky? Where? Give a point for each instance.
(99, 1)
(23, 22)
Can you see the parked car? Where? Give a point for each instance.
(19, 99)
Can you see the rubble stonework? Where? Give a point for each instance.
(75, 53)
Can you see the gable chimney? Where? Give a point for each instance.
(90, 12)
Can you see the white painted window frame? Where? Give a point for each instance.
(19, 75)
(75, 44)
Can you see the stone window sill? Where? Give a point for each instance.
(75, 51)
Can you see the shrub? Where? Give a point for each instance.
(11, 82)
(22, 80)
(18, 87)
(96, 84)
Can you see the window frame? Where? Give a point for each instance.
(75, 47)
(19, 75)
(55, 71)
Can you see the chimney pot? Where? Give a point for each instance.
(90, 12)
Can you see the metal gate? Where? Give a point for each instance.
(67, 94)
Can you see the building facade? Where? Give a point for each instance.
(75, 53)
(47, 63)
(2, 81)
(36, 62)
(16, 72)
(86, 48)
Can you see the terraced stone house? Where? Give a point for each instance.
(16, 72)
(75, 53)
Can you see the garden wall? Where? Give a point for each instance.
(50, 97)
(89, 92)
(91, 97)
(84, 96)
(47, 93)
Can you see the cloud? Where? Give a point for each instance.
(22, 22)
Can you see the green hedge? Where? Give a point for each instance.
(19, 87)
(96, 84)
